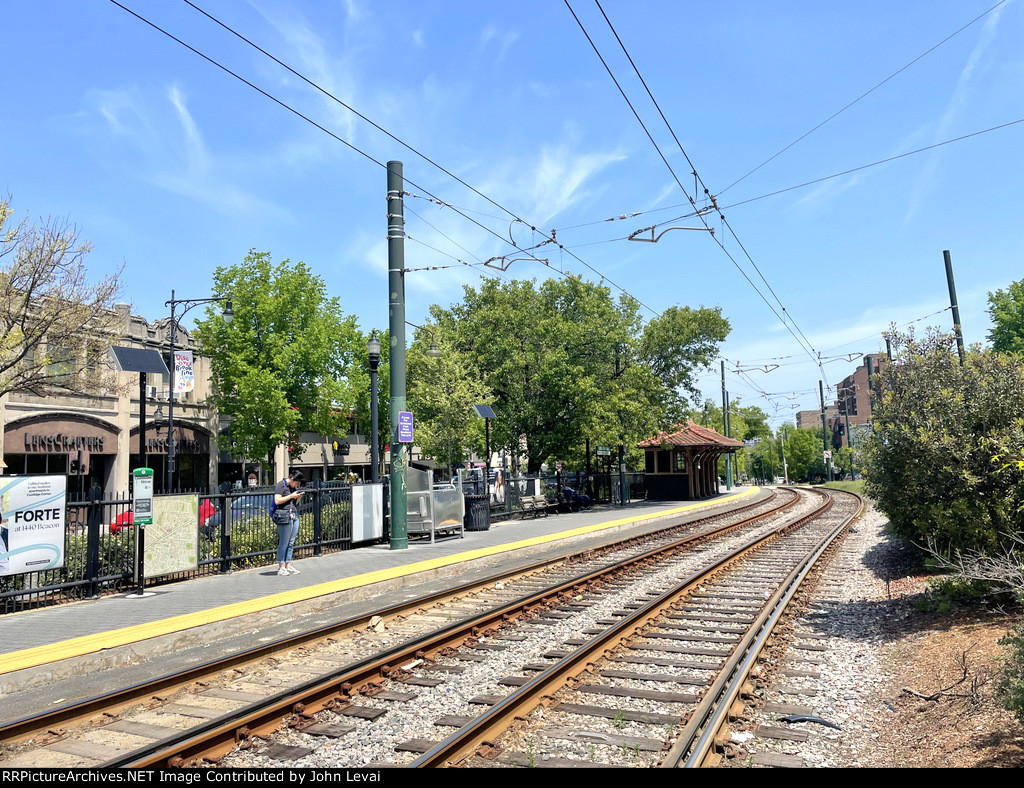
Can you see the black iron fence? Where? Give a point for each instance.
(568, 489)
(233, 528)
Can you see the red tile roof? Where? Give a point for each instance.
(689, 434)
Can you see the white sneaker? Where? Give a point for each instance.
(292, 570)
(283, 572)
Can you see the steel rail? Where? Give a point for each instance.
(483, 730)
(211, 740)
(123, 697)
(706, 725)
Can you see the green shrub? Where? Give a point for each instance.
(1010, 688)
(953, 592)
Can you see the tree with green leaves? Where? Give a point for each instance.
(565, 361)
(55, 326)
(941, 459)
(282, 366)
(804, 459)
(1006, 307)
(442, 391)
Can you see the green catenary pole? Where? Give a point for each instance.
(824, 433)
(725, 430)
(396, 324)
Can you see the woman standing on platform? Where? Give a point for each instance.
(286, 518)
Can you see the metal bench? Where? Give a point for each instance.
(534, 503)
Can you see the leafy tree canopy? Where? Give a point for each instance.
(1006, 307)
(282, 366)
(945, 434)
(565, 362)
(441, 393)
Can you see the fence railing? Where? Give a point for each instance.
(235, 531)
(233, 528)
(505, 495)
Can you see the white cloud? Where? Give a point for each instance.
(501, 39)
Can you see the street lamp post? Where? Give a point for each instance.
(373, 349)
(228, 315)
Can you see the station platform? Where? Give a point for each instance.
(59, 654)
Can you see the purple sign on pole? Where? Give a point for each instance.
(404, 427)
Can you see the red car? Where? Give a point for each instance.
(124, 521)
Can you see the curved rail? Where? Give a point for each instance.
(210, 741)
(124, 697)
(706, 727)
(468, 740)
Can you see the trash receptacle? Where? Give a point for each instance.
(478, 513)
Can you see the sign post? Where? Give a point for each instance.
(142, 515)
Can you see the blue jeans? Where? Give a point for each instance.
(286, 535)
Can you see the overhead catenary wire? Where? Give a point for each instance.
(408, 147)
(803, 185)
(801, 339)
(862, 96)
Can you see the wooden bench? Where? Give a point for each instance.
(535, 504)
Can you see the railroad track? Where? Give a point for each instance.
(313, 672)
(696, 642)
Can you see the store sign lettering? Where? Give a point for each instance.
(181, 446)
(63, 443)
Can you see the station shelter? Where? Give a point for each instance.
(682, 464)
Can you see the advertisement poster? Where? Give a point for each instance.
(32, 529)
(184, 373)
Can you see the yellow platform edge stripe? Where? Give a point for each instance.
(87, 644)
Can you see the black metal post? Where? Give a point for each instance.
(228, 314)
(373, 346)
(225, 528)
(142, 420)
(170, 411)
(318, 529)
(92, 544)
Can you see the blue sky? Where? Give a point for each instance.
(172, 167)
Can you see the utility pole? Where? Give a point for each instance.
(396, 324)
(824, 433)
(956, 307)
(725, 428)
(785, 465)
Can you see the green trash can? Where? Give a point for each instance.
(478, 513)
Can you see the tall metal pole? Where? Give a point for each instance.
(374, 438)
(396, 323)
(170, 412)
(142, 422)
(725, 428)
(956, 307)
(849, 437)
(824, 433)
(785, 465)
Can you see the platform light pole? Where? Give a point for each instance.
(228, 314)
(373, 350)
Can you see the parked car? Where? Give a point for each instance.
(248, 507)
(122, 522)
